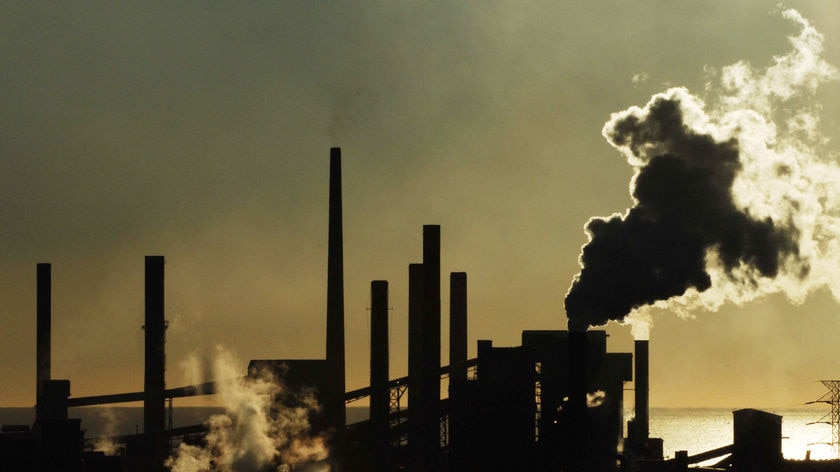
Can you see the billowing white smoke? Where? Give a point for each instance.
(736, 196)
(787, 173)
(640, 322)
(251, 436)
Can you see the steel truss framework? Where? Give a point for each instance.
(832, 397)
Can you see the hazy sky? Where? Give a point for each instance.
(201, 131)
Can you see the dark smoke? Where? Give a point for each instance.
(734, 200)
(684, 211)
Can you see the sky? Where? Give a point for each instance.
(201, 132)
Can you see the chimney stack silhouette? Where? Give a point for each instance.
(457, 327)
(380, 398)
(154, 404)
(415, 365)
(43, 341)
(642, 393)
(578, 421)
(430, 424)
(335, 296)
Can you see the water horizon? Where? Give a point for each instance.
(692, 429)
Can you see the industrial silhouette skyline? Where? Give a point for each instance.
(112, 149)
(511, 408)
(212, 167)
(490, 402)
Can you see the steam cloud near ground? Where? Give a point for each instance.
(250, 436)
(104, 443)
(734, 197)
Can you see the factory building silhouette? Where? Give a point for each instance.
(553, 403)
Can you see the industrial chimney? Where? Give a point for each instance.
(638, 428)
(458, 397)
(457, 328)
(642, 388)
(424, 354)
(577, 426)
(415, 366)
(380, 399)
(335, 297)
(43, 334)
(154, 406)
(430, 425)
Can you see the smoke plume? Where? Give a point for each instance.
(252, 435)
(733, 199)
(104, 443)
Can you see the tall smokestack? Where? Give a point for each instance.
(380, 400)
(154, 407)
(415, 365)
(578, 429)
(642, 389)
(431, 344)
(335, 295)
(457, 370)
(457, 326)
(44, 332)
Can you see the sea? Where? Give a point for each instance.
(805, 431)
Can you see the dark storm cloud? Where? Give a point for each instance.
(684, 208)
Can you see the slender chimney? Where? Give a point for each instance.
(154, 407)
(431, 344)
(457, 327)
(642, 387)
(380, 400)
(578, 432)
(415, 365)
(458, 370)
(43, 333)
(335, 296)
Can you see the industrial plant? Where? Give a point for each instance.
(553, 403)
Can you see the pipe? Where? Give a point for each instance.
(206, 388)
(43, 341)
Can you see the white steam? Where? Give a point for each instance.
(788, 174)
(105, 443)
(254, 434)
(596, 399)
(640, 322)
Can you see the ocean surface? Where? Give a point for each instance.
(702, 429)
(691, 429)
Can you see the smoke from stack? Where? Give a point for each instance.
(251, 435)
(732, 199)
